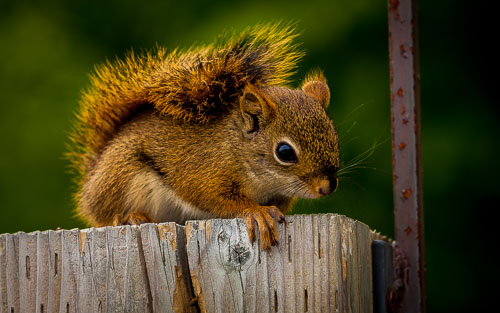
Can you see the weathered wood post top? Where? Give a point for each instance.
(322, 264)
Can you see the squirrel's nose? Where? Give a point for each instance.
(327, 186)
(324, 188)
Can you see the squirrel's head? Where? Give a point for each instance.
(291, 142)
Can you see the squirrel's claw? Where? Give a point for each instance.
(264, 217)
(249, 220)
(277, 214)
(132, 218)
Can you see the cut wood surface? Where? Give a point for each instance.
(322, 264)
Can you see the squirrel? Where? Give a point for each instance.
(211, 131)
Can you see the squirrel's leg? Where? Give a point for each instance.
(264, 217)
(132, 218)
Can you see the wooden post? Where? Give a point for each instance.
(323, 264)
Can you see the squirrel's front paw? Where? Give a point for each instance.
(132, 218)
(264, 216)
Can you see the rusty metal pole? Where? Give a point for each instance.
(408, 290)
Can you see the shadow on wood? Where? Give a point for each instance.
(323, 264)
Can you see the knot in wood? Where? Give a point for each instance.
(240, 254)
(234, 250)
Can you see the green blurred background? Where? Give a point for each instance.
(47, 48)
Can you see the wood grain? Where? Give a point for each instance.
(322, 264)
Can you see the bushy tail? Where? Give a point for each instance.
(197, 85)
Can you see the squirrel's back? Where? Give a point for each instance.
(196, 85)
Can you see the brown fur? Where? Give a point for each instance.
(194, 135)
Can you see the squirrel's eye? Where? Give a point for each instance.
(286, 153)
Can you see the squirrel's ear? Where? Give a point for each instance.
(315, 87)
(256, 108)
